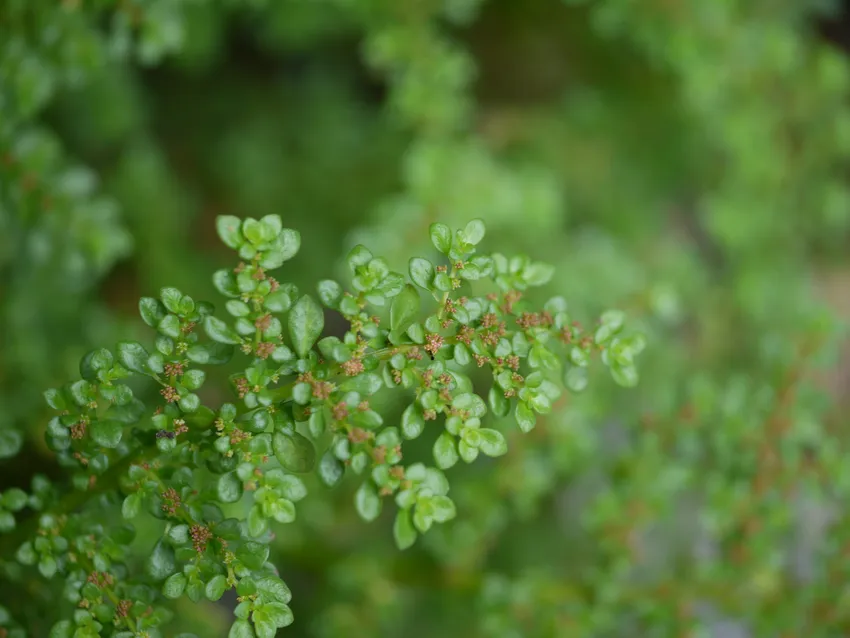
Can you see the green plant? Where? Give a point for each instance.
(220, 479)
(683, 161)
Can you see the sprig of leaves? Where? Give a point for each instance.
(303, 403)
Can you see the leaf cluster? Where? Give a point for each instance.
(220, 479)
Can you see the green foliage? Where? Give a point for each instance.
(682, 161)
(159, 459)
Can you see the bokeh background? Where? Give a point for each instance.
(685, 161)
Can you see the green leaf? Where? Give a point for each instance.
(576, 379)
(55, 399)
(443, 508)
(412, 422)
(47, 566)
(210, 353)
(131, 506)
(390, 285)
(285, 247)
(133, 356)
(334, 349)
(262, 626)
(540, 403)
(256, 232)
(254, 555)
(93, 362)
(10, 443)
(241, 629)
(229, 230)
(540, 357)
(243, 609)
(306, 322)
(579, 357)
(7, 522)
(174, 586)
(273, 223)
(492, 442)
(62, 629)
(331, 469)
(461, 355)
(329, 293)
(364, 384)
(260, 421)
(278, 301)
(359, 256)
(614, 319)
(273, 589)
(525, 417)
(179, 534)
(470, 402)
(278, 613)
(537, 274)
(445, 451)
(295, 452)
(189, 403)
(316, 424)
(441, 237)
(220, 331)
(625, 376)
(484, 264)
(160, 563)
(237, 308)
(107, 432)
(283, 510)
(82, 392)
(119, 395)
(467, 451)
(165, 348)
(422, 272)
(203, 417)
(368, 419)
(195, 589)
(193, 379)
(474, 231)
(14, 499)
(171, 299)
(291, 487)
(187, 306)
(229, 488)
(302, 393)
(156, 362)
(403, 530)
(169, 326)
(349, 306)
(215, 587)
(499, 403)
(422, 519)
(224, 281)
(26, 554)
(443, 282)
(367, 502)
(405, 308)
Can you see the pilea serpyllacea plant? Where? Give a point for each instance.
(458, 339)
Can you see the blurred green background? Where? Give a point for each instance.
(685, 161)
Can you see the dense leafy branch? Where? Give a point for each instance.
(304, 405)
